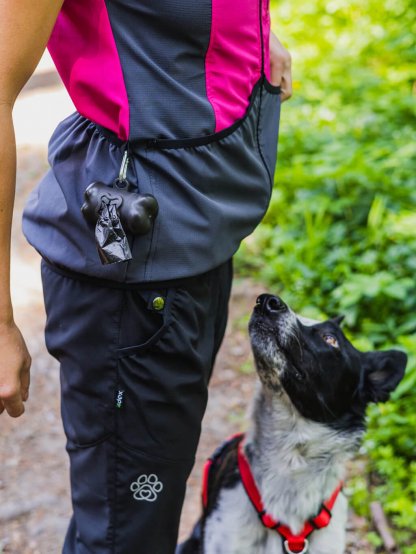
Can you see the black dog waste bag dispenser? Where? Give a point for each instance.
(112, 208)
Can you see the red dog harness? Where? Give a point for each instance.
(293, 544)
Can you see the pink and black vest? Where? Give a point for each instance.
(186, 85)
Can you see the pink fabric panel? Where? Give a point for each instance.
(83, 48)
(266, 37)
(233, 59)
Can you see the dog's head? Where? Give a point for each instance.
(323, 375)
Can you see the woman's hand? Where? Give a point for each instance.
(280, 67)
(14, 370)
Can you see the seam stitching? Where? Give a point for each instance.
(154, 457)
(77, 446)
(261, 36)
(105, 2)
(115, 422)
(207, 82)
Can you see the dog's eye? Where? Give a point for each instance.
(331, 340)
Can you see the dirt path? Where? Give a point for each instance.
(34, 504)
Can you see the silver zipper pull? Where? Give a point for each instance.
(121, 182)
(124, 165)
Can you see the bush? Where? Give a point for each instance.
(340, 233)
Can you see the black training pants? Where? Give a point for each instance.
(135, 365)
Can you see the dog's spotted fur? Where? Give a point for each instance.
(300, 435)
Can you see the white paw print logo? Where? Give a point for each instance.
(147, 487)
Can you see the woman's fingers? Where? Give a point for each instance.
(14, 370)
(12, 401)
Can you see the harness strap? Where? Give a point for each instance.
(210, 464)
(292, 543)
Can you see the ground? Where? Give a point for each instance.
(34, 500)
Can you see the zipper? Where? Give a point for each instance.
(153, 143)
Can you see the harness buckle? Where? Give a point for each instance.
(289, 551)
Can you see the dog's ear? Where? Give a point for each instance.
(338, 319)
(383, 372)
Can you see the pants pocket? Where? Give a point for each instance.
(150, 493)
(146, 315)
(160, 402)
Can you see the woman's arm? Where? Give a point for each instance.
(280, 67)
(25, 27)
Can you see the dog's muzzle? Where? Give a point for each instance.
(267, 304)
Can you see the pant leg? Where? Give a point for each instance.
(134, 381)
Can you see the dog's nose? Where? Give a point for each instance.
(269, 304)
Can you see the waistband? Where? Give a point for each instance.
(107, 283)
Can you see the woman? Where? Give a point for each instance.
(182, 99)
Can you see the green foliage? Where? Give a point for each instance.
(375, 539)
(340, 234)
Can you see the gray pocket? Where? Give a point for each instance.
(212, 191)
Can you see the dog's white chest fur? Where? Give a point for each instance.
(234, 528)
(295, 472)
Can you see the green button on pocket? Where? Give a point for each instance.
(158, 303)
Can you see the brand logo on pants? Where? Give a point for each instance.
(147, 487)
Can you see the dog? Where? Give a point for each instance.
(277, 488)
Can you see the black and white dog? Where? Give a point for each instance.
(274, 490)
